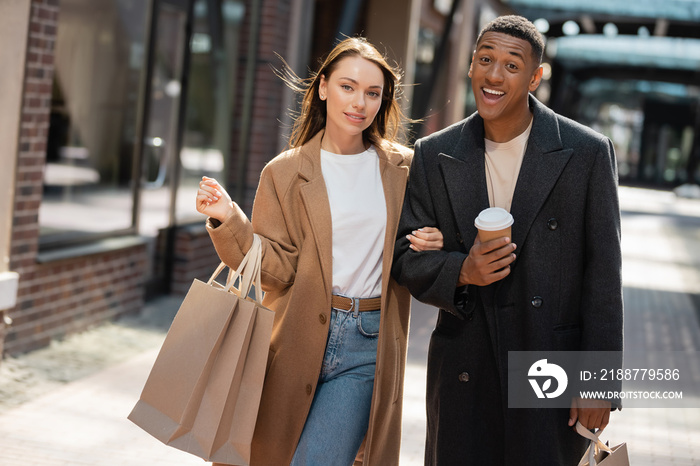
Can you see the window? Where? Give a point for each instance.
(213, 63)
(97, 90)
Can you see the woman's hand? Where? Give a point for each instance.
(213, 200)
(425, 239)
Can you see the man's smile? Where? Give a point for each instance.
(492, 94)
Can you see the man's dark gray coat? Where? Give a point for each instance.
(564, 292)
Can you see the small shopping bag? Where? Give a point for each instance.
(600, 454)
(203, 392)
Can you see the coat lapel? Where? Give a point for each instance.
(463, 174)
(544, 161)
(318, 210)
(394, 176)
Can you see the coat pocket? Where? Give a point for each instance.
(567, 337)
(399, 369)
(448, 324)
(270, 357)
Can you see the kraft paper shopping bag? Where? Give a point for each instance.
(203, 393)
(600, 454)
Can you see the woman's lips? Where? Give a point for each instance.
(355, 117)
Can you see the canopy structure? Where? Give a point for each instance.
(678, 10)
(650, 52)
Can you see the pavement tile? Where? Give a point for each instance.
(84, 422)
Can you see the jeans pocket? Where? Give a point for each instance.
(368, 323)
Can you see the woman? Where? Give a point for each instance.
(327, 211)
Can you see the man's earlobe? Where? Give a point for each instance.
(536, 79)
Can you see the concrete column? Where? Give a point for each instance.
(297, 57)
(14, 29)
(392, 26)
(461, 48)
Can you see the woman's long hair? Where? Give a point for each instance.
(312, 116)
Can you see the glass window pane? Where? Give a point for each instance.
(207, 132)
(162, 123)
(99, 63)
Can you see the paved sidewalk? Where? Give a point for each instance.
(84, 422)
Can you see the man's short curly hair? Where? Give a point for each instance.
(520, 27)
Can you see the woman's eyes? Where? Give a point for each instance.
(347, 87)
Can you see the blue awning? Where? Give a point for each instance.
(653, 52)
(679, 10)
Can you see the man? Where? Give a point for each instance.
(555, 286)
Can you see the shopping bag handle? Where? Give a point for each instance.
(595, 445)
(252, 274)
(232, 275)
(248, 272)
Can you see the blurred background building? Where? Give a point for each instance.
(112, 110)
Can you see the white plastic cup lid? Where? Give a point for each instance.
(493, 219)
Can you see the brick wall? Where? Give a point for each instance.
(73, 295)
(195, 257)
(57, 298)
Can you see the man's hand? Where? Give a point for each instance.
(592, 414)
(487, 262)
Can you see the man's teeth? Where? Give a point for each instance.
(490, 91)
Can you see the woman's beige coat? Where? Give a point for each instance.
(291, 214)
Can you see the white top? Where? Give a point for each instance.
(358, 212)
(503, 161)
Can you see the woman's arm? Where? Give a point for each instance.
(232, 232)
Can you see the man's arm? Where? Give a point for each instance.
(602, 305)
(430, 276)
(442, 278)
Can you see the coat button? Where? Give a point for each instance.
(308, 389)
(536, 302)
(322, 318)
(464, 377)
(552, 224)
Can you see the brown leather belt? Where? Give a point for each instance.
(351, 304)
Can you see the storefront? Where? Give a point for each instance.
(111, 112)
(643, 93)
(122, 107)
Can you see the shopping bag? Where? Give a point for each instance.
(203, 392)
(600, 454)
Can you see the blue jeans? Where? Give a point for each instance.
(339, 414)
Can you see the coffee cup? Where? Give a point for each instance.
(493, 223)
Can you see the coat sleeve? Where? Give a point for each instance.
(430, 276)
(233, 238)
(602, 305)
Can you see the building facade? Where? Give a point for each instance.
(112, 110)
